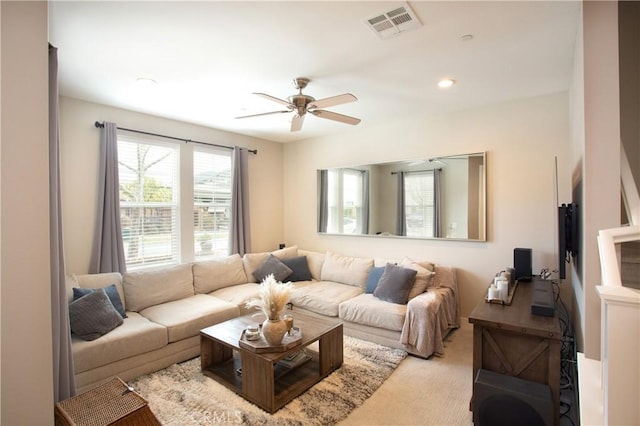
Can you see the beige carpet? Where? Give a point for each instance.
(436, 391)
(182, 395)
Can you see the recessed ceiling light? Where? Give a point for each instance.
(445, 83)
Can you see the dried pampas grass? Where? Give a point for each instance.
(274, 296)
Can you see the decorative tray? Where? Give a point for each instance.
(261, 346)
(512, 290)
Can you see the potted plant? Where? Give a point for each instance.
(205, 242)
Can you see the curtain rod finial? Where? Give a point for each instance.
(99, 125)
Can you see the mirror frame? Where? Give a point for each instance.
(431, 163)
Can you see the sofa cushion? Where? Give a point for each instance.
(136, 335)
(239, 295)
(445, 276)
(315, 260)
(148, 288)
(286, 253)
(423, 277)
(214, 274)
(346, 269)
(366, 309)
(322, 297)
(374, 277)
(110, 290)
(299, 268)
(97, 281)
(272, 266)
(93, 315)
(395, 284)
(251, 262)
(186, 317)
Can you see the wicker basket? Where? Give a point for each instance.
(111, 403)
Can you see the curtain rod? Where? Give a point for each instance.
(417, 171)
(101, 125)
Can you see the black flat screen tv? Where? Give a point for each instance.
(567, 236)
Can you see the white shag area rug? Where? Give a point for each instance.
(182, 395)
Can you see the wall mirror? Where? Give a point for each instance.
(438, 197)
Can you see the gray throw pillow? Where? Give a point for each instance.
(112, 293)
(93, 315)
(272, 265)
(395, 284)
(300, 268)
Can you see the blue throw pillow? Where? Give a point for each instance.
(372, 280)
(111, 291)
(300, 268)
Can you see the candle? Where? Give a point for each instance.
(493, 293)
(503, 289)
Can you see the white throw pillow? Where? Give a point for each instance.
(346, 270)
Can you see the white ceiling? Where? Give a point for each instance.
(208, 58)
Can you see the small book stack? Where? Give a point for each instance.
(294, 360)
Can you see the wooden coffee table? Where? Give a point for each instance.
(257, 376)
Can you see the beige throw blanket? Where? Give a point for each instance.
(430, 315)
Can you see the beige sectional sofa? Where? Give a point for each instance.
(166, 308)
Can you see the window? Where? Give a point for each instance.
(149, 193)
(161, 226)
(211, 202)
(419, 196)
(345, 201)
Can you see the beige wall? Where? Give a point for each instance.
(79, 140)
(521, 139)
(595, 157)
(26, 347)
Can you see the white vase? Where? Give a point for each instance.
(273, 331)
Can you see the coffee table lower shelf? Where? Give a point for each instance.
(288, 383)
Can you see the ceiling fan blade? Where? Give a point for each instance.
(335, 116)
(274, 99)
(264, 113)
(296, 123)
(333, 101)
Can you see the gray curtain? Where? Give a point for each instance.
(323, 200)
(437, 232)
(64, 385)
(240, 234)
(108, 248)
(365, 202)
(401, 222)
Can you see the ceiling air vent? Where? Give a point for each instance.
(392, 23)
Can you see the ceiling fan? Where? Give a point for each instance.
(301, 104)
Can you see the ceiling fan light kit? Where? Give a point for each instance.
(301, 104)
(446, 83)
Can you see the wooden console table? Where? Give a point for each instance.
(511, 340)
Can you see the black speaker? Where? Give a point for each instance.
(522, 263)
(500, 400)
